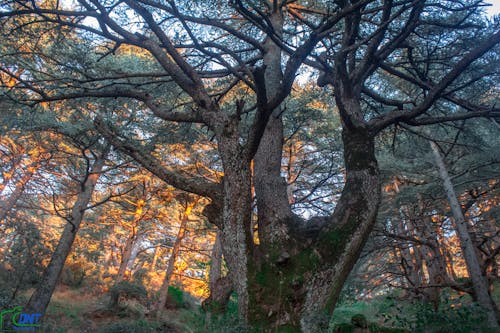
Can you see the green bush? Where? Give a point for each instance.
(175, 298)
(73, 274)
(461, 319)
(126, 290)
(178, 299)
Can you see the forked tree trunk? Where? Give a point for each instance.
(297, 275)
(173, 258)
(41, 297)
(479, 282)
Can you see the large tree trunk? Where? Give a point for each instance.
(340, 243)
(297, 276)
(298, 269)
(41, 297)
(479, 282)
(236, 234)
(173, 257)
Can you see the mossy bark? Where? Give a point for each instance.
(294, 282)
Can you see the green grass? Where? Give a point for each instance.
(75, 311)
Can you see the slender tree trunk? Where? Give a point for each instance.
(152, 267)
(173, 257)
(126, 255)
(11, 201)
(479, 282)
(41, 297)
(435, 261)
(220, 287)
(412, 267)
(215, 272)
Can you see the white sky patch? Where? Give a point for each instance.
(494, 9)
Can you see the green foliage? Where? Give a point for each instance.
(126, 290)
(73, 274)
(175, 297)
(203, 322)
(387, 314)
(137, 326)
(462, 319)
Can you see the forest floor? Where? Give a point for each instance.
(79, 310)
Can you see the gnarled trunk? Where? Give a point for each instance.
(295, 280)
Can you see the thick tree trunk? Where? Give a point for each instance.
(297, 276)
(235, 220)
(236, 234)
(173, 258)
(41, 297)
(341, 241)
(479, 282)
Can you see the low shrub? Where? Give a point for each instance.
(125, 290)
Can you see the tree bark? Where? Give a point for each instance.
(215, 272)
(479, 282)
(341, 241)
(41, 297)
(295, 280)
(236, 234)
